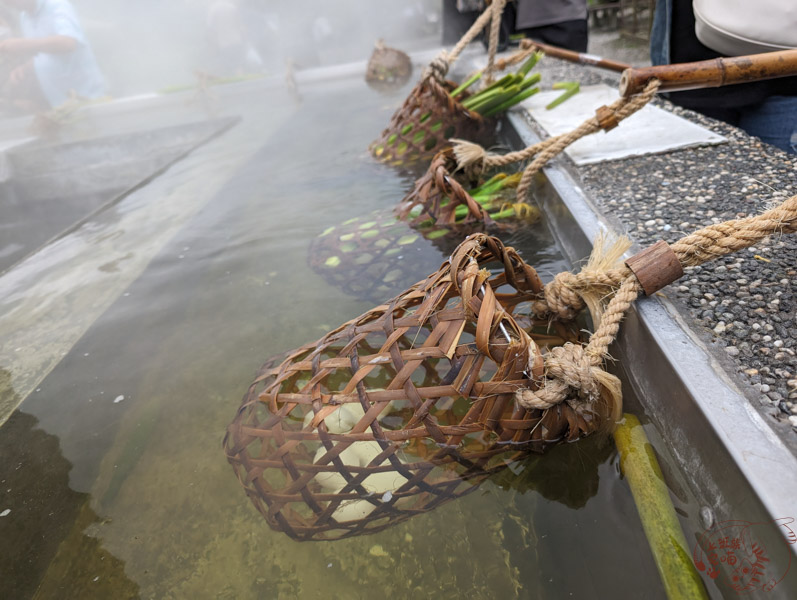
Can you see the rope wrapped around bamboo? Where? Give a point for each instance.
(405, 407)
(572, 369)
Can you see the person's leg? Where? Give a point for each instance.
(774, 121)
(571, 35)
(732, 116)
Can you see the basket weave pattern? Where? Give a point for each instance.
(401, 409)
(438, 194)
(422, 126)
(365, 256)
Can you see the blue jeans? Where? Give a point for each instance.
(774, 120)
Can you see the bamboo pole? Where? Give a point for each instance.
(577, 57)
(667, 542)
(711, 73)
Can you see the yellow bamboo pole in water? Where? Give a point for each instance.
(664, 534)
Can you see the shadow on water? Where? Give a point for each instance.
(44, 539)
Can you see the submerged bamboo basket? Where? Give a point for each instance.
(405, 407)
(424, 123)
(376, 256)
(439, 198)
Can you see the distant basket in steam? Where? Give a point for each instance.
(405, 407)
(376, 256)
(388, 68)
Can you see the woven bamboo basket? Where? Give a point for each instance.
(440, 199)
(388, 68)
(424, 123)
(376, 256)
(405, 407)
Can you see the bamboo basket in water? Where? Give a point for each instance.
(437, 110)
(378, 255)
(405, 407)
(424, 123)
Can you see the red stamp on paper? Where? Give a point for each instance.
(746, 556)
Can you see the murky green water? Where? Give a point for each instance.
(113, 471)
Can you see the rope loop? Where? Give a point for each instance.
(438, 68)
(575, 367)
(574, 373)
(562, 300)
(571, 374)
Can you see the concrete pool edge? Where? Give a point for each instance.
(719, 439)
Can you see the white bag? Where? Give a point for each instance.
(739, 27)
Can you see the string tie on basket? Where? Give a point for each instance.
(438, 68)
(562, 301)
(572, 374)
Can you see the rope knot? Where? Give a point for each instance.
(561, 299)
(571, 374)
(438, 68)
(573, 365)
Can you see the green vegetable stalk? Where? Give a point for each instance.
(468, 82)
(504, 93)
(571, 89)
(494, 196)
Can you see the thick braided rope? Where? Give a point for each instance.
(622, 109)
(569, 369)
(723, 238)
(497, 9)
(563, 299)
(470, 154)
(526, 50)
(438, 68)
(563, 294)
(599, 342)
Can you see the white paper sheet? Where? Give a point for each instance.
(649, 131)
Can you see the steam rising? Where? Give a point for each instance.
(148, 45)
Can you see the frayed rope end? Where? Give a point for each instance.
(467, 153)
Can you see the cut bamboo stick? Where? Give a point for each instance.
(667, 542)
(711, 73)
(578, 57)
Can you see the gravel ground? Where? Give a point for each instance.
(743, 305)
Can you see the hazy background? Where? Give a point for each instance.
(146, 45)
